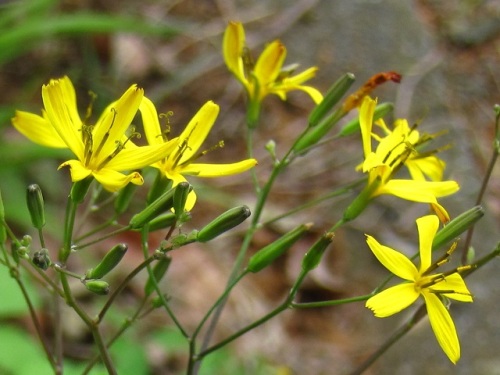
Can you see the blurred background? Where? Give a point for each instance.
(449, 56)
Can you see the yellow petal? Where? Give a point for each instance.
(393, 260)
(197, 130)
(430, 166)
(419, 191)
(454, 284)
(427, 228)
(37, 129)
(269, 64)
(392, 300)
(114, 121)
(232, 47)
(59, 100)
(366, 122)
(150, 122)
(139, 157)
(218, 170)
(77, 169)
(113, 181)
(443, 326)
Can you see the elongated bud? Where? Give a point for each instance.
(332, 97)
(3, 231)
(181, 193)
(41, 259)
(79, 189)
(163, 203)
(360, 202)
(159, 271)
(313, 257)
(228, 220)
(353, 126)
(457, 226)
(110, 261)
(268, 254)
(314, 135)
(36, 208)
(124, 197)
(162, 221)
(100, 287)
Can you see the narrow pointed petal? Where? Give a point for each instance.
(59, 100)
(454, 284)
(269, 63)
(150, 122)
(443, 326)
(113, 181)
(232, 46)
(419, 191)
(392, 300)
(37, 129)
(441, 212)
(393, 260)
(366, 122)
(140, 157)
(77, 169)
(219, 170)
(197, 130)
(114, 121)
(427, 227)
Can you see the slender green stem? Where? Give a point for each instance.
(103, 350)
(108, 235)
(69, 224)
(256, 185)
(97, 229)
(343, 301)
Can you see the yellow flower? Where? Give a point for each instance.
(398, 148)
(181, 161)
(267, 76)
(420, 282)
(102, 150)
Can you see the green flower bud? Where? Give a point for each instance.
(314, 135)
(360, 202)
(271, 252)
(223, 223)
(124, 197)
(100, 287)
(36, 208)
(353, 126)
(162, 221)
(457, 226)
(163, 203)
(79, 190)
(471, 255)
(332, 97)
(313, 256)
(26, 240)
(110, 261)
(159, 271)
(181, 193)
(41, 259)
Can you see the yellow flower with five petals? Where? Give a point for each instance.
(102, 150)
(182, 160)
(433, 287)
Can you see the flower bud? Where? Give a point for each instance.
(162, 221)
(271, 252)
(457, 226)
(36, 208)
(163, 203)
(79, 190)
(223, 223)
(100, 287)
(110, 261)
(122, 200)
(313, 256)
(353, 126)
(332, 97)
(159, 271)
(181, 193)
(41, 259)
(314, 135)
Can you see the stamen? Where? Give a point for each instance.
(119, 146)
(203, 153)
(164, 134)
(88, 113)
(248, 63)
(444, 259)
(106, 136)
